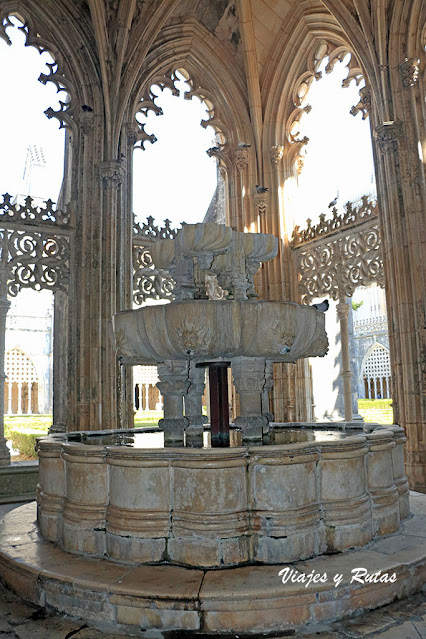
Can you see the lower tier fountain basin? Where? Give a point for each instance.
(219, 507)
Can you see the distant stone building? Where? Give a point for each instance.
(29, 354)
(371, 343)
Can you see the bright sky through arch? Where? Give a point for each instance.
(23, 122)
(175, 178)
(339, 154)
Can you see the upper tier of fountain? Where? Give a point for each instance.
(236, 325)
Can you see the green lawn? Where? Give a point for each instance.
(148, 418)
(23, 429)
(376, 410)
(27, 422)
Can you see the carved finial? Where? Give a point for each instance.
(364, 105)
(409, 70)
(276, 154)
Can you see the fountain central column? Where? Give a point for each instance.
(173, 386)
(249, 380)
(193, 402)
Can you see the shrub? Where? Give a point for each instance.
(24, 440)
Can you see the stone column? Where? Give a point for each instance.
(243, 206)
(193, 401)
(173, 385)
(4, 307)
(29, 409)
(249, 380)
(399, 157)
(267, 390)
(343, 313)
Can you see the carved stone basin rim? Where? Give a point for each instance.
(219, 329)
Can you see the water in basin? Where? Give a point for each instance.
(154, 438)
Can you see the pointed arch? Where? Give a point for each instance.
(52, 27)
(316, 34)
(213, 83)
(209, 71)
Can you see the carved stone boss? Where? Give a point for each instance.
(35, 245)
(333, 259)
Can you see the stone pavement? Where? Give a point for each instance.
(405, 619)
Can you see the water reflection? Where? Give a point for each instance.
(154, 439)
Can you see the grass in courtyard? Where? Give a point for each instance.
(147, 418)
(23, 429)
(376, 410)
(40, 423)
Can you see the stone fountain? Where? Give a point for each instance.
(267, 498)
(175, 533)
(237, 330)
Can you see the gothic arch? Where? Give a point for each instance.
(74, 69)
(315, 35)
(213, 84)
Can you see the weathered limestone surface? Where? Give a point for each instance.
(18, 482)
(218, 507)
(247, 599)
(252, 62)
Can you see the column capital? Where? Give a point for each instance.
(111, 171)
(132, 130)
(386, 135)
(409, 71)
(241, 159)
(276, 154)
(342, 309)
(261, 201)
(87, 121)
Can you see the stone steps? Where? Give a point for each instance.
(246, 599)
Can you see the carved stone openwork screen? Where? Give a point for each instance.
(150, 282)
(333, 259)
(376, 373)
(34, 244)
(35, 252)
(339, 254)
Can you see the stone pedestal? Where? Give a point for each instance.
(193, 404)
(173, 385)
(249, 380)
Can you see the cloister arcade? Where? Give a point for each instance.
(251, 62)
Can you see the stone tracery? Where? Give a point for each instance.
(65, 113)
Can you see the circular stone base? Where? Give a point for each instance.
(244, 600)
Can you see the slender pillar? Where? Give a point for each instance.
(267, 390)
(146, 396)
(9, 398)
(29, 409)
(4, 307)
(194, 401)
(173, 385)
(249, 380)
(19, 398)
(375, 387)
(343, 313)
